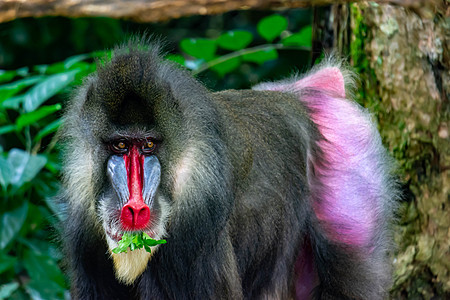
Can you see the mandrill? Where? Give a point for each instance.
(283, 191)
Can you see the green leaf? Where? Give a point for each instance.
(39, 246)
(34, 116)
(302, 38)
(41, 69)
(10, 89)
(6, 262)
(227, 66)
(7, 75)
(52, 165)
(55, 68)
(24, 71)
(261, 56)
(152, 242)
(122, 247)
(127, 237)
(179, 59)
(11, 222)
(44, 289)
(47, 89)
(7, 128)
(6, 172)
(135, 238)
(24, 166)
(272, 26)
(49, 129)
(235, 40)
(84, 69)
(13, 102)
(7, 91)
(42, 267)
(7, 289)
(71, 61)
(139, 239)
(136, 241)
(199, 48)
(102, 54)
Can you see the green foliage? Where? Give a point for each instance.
(47, 88)
(272, 26)
(301, 38)
(12, 221)
(199, 48)
(235, 40)
(29, 106)
(213, 54)
(6, 290)
(136, 241)
(260, 57)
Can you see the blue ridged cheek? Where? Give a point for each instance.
(117, 174)
(152, 177)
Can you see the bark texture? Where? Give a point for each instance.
(153, 10)
(404, 60)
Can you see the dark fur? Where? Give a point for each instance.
(239, 233)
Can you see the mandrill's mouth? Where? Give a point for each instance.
(114, 229)
(114, 233)
(128, 265)
(117, 235)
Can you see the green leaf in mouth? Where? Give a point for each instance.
(135, 241)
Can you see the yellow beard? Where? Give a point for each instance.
(131, 264)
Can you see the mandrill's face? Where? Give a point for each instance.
(138, 134)
(134, 174)
(132, 203)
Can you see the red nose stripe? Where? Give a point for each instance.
(135, 214)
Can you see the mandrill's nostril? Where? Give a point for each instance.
(135, 216)
(142, 217)
(130, 211)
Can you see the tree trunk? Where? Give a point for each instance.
(155, 10)
(402, 56)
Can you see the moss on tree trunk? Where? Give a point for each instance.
(403, 60)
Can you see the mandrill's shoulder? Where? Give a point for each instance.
(258, 103)
(246, 115)
(254, 97)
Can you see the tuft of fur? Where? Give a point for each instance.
(131, 264)
(351, 179)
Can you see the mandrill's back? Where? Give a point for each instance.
(264, 129)
(268, 134)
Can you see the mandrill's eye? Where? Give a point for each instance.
(148, 147)
(119, 147)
